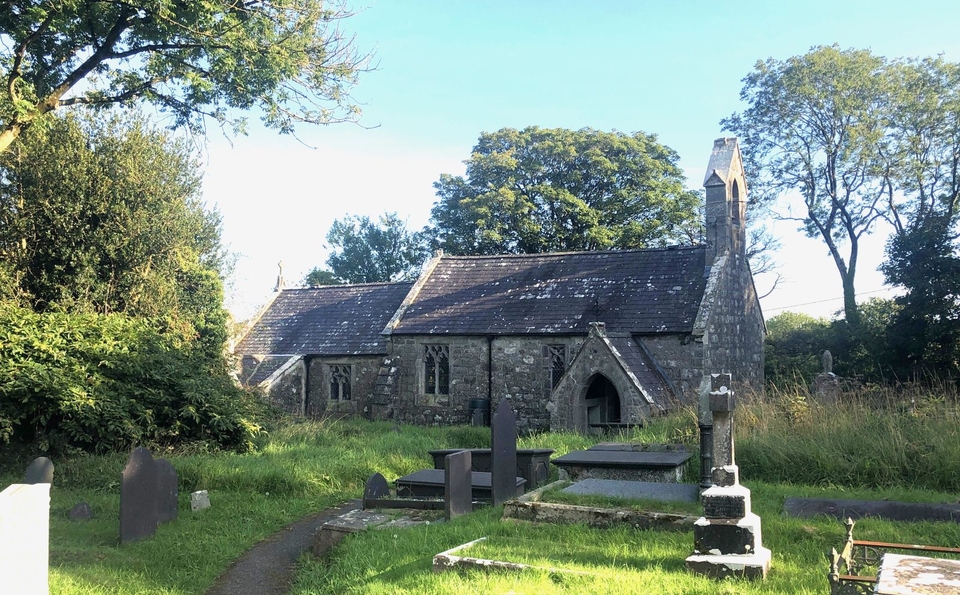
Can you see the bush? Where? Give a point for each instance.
(101, 383)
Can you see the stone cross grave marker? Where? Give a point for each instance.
(138, 497)
(458, 484)
(25, 538)
(376, 488)
(39, 471)
(503, 442)
(727, 537)
(167, 491)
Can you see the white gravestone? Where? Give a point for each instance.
(25, 538)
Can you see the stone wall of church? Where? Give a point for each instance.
(734, 331)
(286, 392)
(363, 376)
(520, 373)
(681, 359)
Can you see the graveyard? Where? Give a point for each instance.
(786, 459)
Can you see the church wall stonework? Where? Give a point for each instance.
(363, 376)
(681, 359)
(734, 330)
(286, 393)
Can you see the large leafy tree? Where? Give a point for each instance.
(813, 130)
(543, 190)
(104, 215)
(193, 59)
(368, 251)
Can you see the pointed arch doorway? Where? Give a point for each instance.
(601, 403)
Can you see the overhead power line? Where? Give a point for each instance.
(833, 299)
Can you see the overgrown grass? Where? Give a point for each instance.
(866, 448)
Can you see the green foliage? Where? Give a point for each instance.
(365, 251)
(104, 215)
(813, 128)
(108, 382)
(317, 277)
(793, 347)
(546, 190)
(194, 60)
(925, 332)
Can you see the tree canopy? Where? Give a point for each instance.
(194, 59)
(859, 139)
(544, 190)
(104, 215)
(367, 251)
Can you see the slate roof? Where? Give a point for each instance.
(328, 320)
(643, 367)
(634, 291)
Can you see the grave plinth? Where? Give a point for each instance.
(727, 538)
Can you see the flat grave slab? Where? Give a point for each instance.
(429, 483)
(623, 465)
(883, 509)
(639, 447)
(635, 490)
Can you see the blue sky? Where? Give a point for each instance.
(448, 70)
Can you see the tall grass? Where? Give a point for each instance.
(870, 438)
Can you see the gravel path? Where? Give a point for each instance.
(267, 568)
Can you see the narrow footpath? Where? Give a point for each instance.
(267, 568)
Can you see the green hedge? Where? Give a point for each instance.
(101, 383)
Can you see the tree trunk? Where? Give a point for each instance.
(8, 135)
(850, 311)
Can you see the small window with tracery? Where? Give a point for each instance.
(436, 369)
(558, 363)
(340, 382)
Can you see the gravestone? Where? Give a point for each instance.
(727, 537)
(376, 488)
(39, 471)
(138, 497)
(199, 500)
(458, 484)
(826, 385)
(81, 512)
(167, 491)
(25, 538)
(503, 444)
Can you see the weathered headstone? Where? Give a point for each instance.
(826, 385)
(39, 471)
(457, 484)
(503, 443)
(167, 491)
(199, 500)
(727, 537)
(81, 512)
(138, 497)
(25, 538)
(376, 488)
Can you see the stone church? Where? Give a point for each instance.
(575, 340)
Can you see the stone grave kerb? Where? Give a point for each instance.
(727, 538)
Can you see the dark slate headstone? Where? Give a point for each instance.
(377, 487)
(882, 509)
(503, 442)
(39, 471)
(81, 512)
(167, 491)
(138, 497)
(457, 484)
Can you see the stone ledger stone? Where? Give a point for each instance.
(138, 497)
(24, 538)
